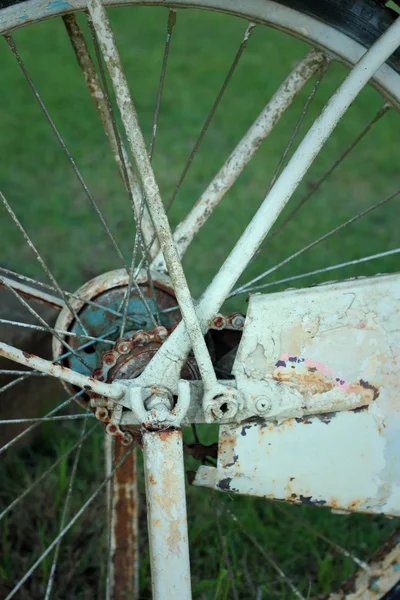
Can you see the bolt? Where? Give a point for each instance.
(123, 348)
(218, 322)
(160, 333)
(109, 359)
(238, 321)
(263, 404)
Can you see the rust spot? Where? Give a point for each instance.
(368, 386)
(310, 379)
(165, 434)
(27, 354)
(124, 524)
(152, 480)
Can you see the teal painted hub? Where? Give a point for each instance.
(105, 324)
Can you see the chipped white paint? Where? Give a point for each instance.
(344, 462)
(112, 391)
(380, 578)
(166, 514)
(151, 191)
(243, 153)
(328, 343)
(32, 293)
(169, 359)
(337, 341)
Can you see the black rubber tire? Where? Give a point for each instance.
(362, 20)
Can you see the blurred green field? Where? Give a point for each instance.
(40, 185)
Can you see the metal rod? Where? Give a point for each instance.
(314, 243)
(34, 294)
(243, 153)
(249, 30)
(160, 220)
(14, 50)
(61, 534)
(37, 423)
(349, 263)
(123, 580)
(166, 516)
(114, 391)
(171, 355)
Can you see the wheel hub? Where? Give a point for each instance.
(100, 305)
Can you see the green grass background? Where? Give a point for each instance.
(39, 184)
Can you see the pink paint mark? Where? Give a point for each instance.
(303, 364)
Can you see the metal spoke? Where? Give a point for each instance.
(132, 278)
(282, 575)
(242, 47)
(157, 210)
(133, 187)
(36, 424)
(170, 27)
(12, 372)
(349, 263)
(31, 293)
(47, 286)
(245, 287)
(45, 473)
(93, 84)
(299, 123)
(59, 331)
(68, 526)
(45, 419)
(224, 549)
(302, 523)
(381, 112)
(40, 259)
(6, 387)
(71, 482)
(170, 357)
(144, 226)
(243, 153)
(40, 318)
(13, 48)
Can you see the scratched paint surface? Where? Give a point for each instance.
(337, 340)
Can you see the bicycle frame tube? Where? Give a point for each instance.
(168, 360)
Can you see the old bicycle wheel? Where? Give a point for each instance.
(68, 530)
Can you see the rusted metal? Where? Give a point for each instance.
(169, 359)
(124, 580)
(381, 580)
(31, 293)
(114, 391)
(104, 111)
(243, 153)
(193, 329)
(330, 349)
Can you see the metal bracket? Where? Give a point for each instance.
(160, 412)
